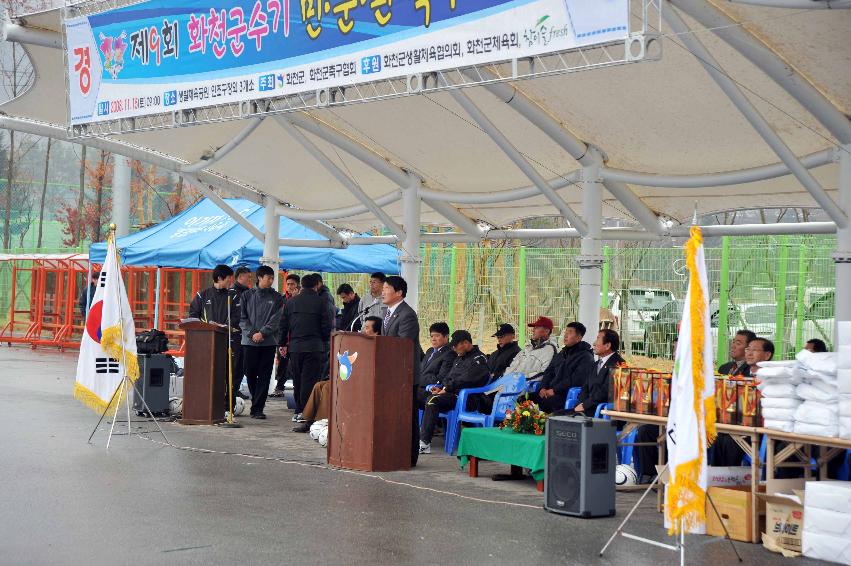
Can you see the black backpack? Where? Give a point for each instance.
(151, 341)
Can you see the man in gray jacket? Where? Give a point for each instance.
(537, 355)
(262, 307)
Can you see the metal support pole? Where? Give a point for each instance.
(121, 196)
(157, 293)
(410, 256)
(591, 249)
(271, 229)
(799, 301)
(780, 298)
(453, 274)
(604, 289)
(756, 120)
(842, 257)
(521, 295)
(724, 301)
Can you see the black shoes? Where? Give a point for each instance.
(303, 427)
(260, 416)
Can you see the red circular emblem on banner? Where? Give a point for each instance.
(93, 321)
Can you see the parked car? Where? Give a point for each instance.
(643, 304)
(662, 331)
(760, 318)
(819, 319)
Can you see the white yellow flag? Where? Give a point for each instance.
(108, 346)
(691, 418)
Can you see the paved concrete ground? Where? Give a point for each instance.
(67, 502)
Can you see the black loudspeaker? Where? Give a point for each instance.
(153, 383)
(580, 476)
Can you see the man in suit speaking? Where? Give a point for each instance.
(401, 321)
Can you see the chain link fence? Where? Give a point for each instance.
(780, 287)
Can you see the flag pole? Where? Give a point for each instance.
(123, 389)
(231, 423)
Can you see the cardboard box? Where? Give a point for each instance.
(735, 506)
(718, 476)
(827, 547)
(831, 495)
(784, 516)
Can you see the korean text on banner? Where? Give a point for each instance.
(162, 56)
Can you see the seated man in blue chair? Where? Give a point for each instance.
(436, 362)
(470, 369)
(569, 368)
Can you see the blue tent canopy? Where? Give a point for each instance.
(204, 236)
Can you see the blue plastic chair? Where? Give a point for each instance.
(511, 386)
(603, 407)
(449, 417)
(627, 452)
(844, 471)
(572, 397)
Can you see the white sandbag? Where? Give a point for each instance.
(780, 402)
(843, 381)
(826, 547)
(774, 374)
(817, 392)
(816, 430)
(827, 378)
(779, 414)
(778, 364)
(815, 412)
(830, 495)
(783, 426)
(783, 372)
(845, 427)
(822, 362)
(845, 405)
(777, 389)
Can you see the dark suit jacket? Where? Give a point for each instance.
(596, 388)
(735, 368)
(435, 370)
(404, 323)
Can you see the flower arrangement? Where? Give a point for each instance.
(525, 418)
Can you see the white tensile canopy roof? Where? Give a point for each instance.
(748, 107)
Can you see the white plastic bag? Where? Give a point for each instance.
(822, 362)
(815, 412)
(783, 426)
(779, 414)
(780, 402)
(817, 391)
(777, 389)
(816, 430)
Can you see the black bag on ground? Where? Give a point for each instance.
(151, 341)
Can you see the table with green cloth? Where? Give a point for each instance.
(505, 446)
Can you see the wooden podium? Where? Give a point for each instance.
(204, 373)
(371, 403)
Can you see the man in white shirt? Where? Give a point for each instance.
(373, 304)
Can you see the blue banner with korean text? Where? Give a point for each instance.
(166, 55)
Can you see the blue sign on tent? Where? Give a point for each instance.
(204, 236)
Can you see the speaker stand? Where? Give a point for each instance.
(680, 545)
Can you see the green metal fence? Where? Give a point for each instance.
(780, 287)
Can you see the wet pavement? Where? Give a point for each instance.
(262, 495)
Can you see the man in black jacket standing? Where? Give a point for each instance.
(506, 348)
(351, 302)
(261, 315)
(595, 391)
(88, 294)
(569, 368)
(470, 369)
(211, 305)
(308, 321)
(241, 284)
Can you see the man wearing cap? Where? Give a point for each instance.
(536, 357)
(470, 369)
(506, 349)
(569, 368)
